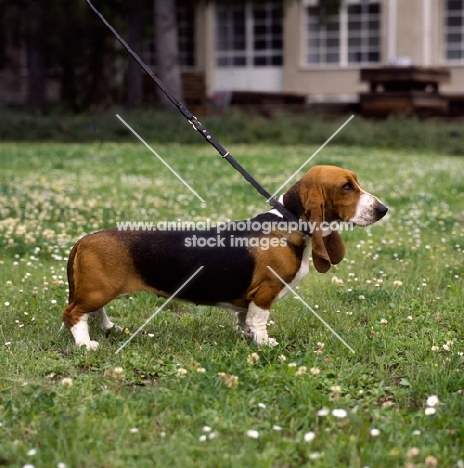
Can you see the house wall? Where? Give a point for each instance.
(411, 29)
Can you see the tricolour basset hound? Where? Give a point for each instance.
(235, 273)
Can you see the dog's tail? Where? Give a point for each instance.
(70, 272)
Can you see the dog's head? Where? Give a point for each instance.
(327, 194)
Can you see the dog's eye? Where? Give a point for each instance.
(348, 187)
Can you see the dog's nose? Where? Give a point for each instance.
(381, 210)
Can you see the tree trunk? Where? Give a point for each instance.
(134, 72)
(36, 91)
(167, 49)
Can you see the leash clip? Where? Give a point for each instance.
(194, 121)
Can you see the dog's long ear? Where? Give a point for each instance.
(320, 254)
(335, 247)
(328, 250)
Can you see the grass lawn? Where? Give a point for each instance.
(396, 299)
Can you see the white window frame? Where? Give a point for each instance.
(450, 30)
(343, 37)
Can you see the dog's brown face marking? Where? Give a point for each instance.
(332, 190)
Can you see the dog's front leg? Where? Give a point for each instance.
(256, 325)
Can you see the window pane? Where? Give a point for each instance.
(239, 45)
(354, 9)
(354, 41)
(260, 61)
(239, 61)
(333, 58)
(453, 54)
(277, 60)
(454, 38)
(454, 5)
(454, 21)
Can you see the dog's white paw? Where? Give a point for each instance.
(90, 345)
(113, 328)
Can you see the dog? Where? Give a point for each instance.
(237, 264)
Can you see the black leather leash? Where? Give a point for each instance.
(288, 215)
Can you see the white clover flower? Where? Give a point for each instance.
(413, 452)
(431, 461)
(375, 432)
(337, 281)
(292, 364)
(201, 370)
(397, 283)
(67, 382)
(202, 438)
(181, 372)
(339, 413)
(276, 427)
(262, 405)
(309, 436)
(383, 321)
(301, 370)
(315, 371)
(134, 430)
(323, 412)
(432, 401)
(434, 348)
(429, 411)
(252, 434)
(253, 358)
(32, 452)
(281, 358)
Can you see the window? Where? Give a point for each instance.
(350, 37)
(249, 34)
(454, 30)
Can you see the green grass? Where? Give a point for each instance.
(398, 303)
